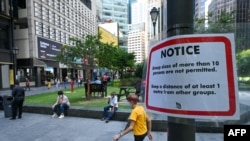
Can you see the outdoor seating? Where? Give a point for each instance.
(99, 88)
(124, 91)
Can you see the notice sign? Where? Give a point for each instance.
(193, 76)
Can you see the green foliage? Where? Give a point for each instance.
(115, 83)
(139, 69)
(243, 63)
(106, 55)
(92, 49)
(224, 24)
(123, 59)
(82, 48)
(132, 81)
(127, 75)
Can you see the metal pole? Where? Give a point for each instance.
(179, 23)
(13, 51)
(154, 28)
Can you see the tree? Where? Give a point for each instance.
(95, 53)
(243, 63)
(139, 69)
(83, 49)
(105, 55)
(123, 60)
(224, 24)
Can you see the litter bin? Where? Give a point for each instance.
(1, 102)
(7, 101)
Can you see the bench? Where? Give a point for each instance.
(120, 95)
(124, 91)
(100, 88)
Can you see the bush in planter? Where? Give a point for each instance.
(130, 81)
(116, 83)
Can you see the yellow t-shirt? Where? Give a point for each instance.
(138, 115)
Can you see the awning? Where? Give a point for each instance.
(6, 63)
(38, 63)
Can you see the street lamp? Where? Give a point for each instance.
(154, 14)
(15, 51)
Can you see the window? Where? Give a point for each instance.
(4, 34)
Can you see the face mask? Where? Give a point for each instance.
(129, 105)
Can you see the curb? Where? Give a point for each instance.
(123, 114)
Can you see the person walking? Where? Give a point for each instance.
(79, 81)
(62, 102)
(72, 83)
(49, 83)
(58, 83)
(140, 122)
(105, 80)
(65, 82)
(27, 83)
(18, 94)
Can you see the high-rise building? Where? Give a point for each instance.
(8, 14)
(243, 24)
(136, 41)
(117, 11)
(136, 34)
(109, 33)
(217, 6)
(242, 19)
(200, 8)
(43, 27)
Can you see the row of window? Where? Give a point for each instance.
(49, 32)
(59, 22)
(61, 5)
(52, 16)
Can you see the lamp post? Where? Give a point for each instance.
(15, 51)
(154, 14)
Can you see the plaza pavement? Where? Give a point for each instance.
(40, 127)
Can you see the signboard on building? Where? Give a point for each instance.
(193, 76)
(47, 49)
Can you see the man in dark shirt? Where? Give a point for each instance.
(18, 95)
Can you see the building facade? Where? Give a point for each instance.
(242, 19)
(117, 11)
(243, 24)
(136, 34)
(199, 8)
(42, 28)
(136, 42)
(8, 14)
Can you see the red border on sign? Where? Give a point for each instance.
(230, 76)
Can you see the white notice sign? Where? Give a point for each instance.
(193, 76)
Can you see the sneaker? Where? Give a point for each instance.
(61, 116)
(103, 119)
(54, 115)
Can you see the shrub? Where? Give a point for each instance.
(129, 81)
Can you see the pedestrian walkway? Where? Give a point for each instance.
(37, 127)
(39, 90)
